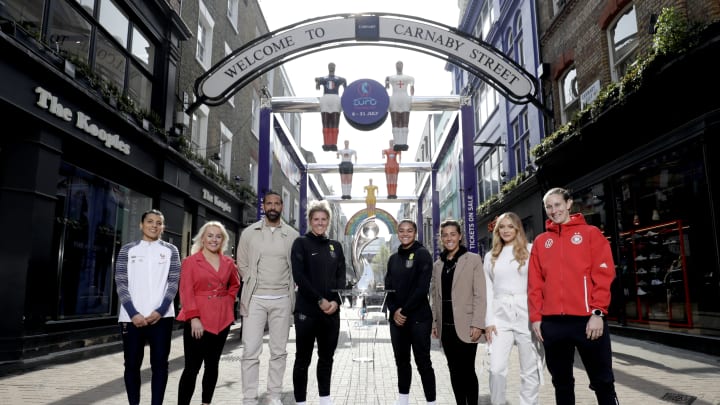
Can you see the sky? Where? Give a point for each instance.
(360, 62)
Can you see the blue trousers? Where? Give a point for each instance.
(158, 336)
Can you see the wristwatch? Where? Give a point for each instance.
(598, 312)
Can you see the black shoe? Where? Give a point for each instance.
(326, 147)
(331, 147)
(346, 197)
(392, 196)
(397, 148)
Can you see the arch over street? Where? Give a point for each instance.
(264, 53)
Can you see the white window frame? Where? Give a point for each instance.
(255, 111)
(620, 64)
(231, 99)
(233, 13)
(570, 107)
(286, 204)
(225, 149)
(199, 131)
(206, 25)
(519, 51)
(253, 169)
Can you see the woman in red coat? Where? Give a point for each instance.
(209, 283)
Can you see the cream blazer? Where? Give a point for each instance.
(468, 296)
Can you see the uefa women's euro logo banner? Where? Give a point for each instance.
(365, 104)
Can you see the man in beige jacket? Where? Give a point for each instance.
(268, 296)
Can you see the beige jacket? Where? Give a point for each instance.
(248, 257)
(468, 296)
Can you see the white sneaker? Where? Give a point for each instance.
(274, 401)
(640, 291)
(326, 401)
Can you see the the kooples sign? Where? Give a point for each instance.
(217, 201)
(82, 121)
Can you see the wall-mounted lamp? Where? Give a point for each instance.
(216, 156)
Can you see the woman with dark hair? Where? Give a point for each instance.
(318, 266)
(506, 273)
(209, 283)
(458, 297)
(408, 282)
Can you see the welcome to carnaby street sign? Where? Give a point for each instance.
(268, 51)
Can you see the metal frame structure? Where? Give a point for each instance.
(466, 128)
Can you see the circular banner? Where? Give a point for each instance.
(365, 104)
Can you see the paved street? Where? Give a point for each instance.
(364, 373)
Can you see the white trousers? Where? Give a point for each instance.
(276, 313)
(511, 316)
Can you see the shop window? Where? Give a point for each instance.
(623, 41)
(123, 55)
(569, 93)
(68, 31)
(114, 21)
(666, 261)
(94, 218)
(490, 174)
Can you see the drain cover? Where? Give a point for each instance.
(676, 398)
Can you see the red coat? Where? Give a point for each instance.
(570, 272)
(208, 294)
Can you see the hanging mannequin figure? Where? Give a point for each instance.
(400, 103)
(371, 198)
(392, 168)
(330, 107)
(348, 157)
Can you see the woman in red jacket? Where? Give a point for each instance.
(209, 283)
(569, 277)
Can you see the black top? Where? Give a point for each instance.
(318, 267)
(446, 280)
(408, 278)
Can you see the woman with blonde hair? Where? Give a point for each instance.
(209, 283)
(506, 275)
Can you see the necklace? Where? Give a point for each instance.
(449, 269)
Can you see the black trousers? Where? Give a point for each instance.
(461, 364)
(561, 336)
(206, 350)
(158, 337)
(326, 331)
(415, 335)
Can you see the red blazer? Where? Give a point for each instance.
(208, 294)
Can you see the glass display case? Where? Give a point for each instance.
(654, 271)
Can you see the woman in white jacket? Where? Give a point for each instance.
(506, 272)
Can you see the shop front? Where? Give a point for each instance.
(75, 177)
